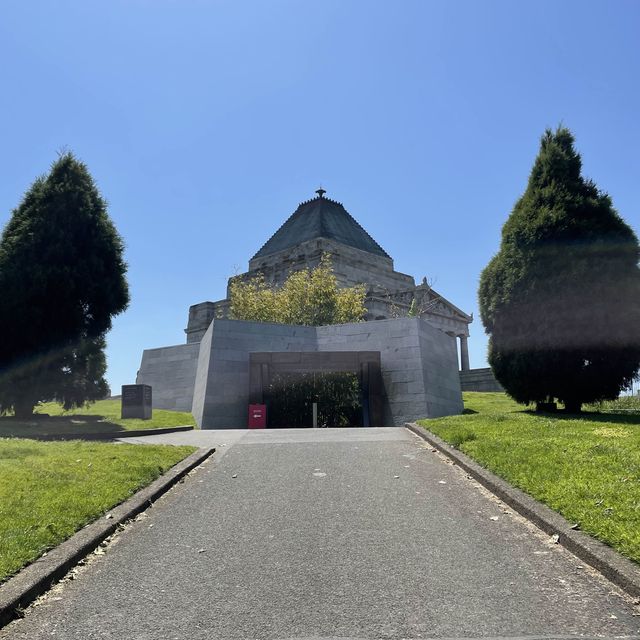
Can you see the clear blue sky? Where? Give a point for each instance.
(205, 124)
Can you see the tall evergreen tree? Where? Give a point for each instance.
(62, 279)
(561, 299)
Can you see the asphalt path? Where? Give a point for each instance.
(318, 534)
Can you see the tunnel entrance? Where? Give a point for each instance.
(345, 385)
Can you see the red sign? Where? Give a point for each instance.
(257, 416)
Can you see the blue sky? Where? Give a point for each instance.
(205, 123)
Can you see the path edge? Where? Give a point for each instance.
(31, 582)
(612, 565)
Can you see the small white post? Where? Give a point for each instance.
(315, 415)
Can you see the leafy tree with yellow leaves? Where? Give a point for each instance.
(308, 297)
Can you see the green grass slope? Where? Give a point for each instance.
(101, 417)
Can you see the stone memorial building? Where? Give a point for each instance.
(322, 225)
(211, 375)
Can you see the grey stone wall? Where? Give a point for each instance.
(171, 372)
(203, 370)
(479, 380)
(389, 292)
(440, 369)
(351, 266)
(221, 397)
(200, 317)
(418, 363)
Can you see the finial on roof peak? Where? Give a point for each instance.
(321, 192)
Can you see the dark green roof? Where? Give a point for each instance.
(320, 218)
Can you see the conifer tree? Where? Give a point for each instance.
(561, 299)
(62, 279)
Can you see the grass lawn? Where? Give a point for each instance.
(587, 467)
(49, 490)
(102, 416)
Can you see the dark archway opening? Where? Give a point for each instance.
(290, 398)
(346, 385)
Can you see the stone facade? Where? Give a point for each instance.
(389, 293)
(418, 363)
(418, 355)
(479, 380)
(171, 372)
(221, 398)
(418, 366)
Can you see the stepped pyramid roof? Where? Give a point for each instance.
(320, 217)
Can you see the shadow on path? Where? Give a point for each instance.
(38, 426)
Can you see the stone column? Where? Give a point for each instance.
(464, 353)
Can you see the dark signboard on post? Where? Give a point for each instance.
(136, 401)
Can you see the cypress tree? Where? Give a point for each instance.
(62, 279)
(561, 299)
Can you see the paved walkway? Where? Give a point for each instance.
(340, 533)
